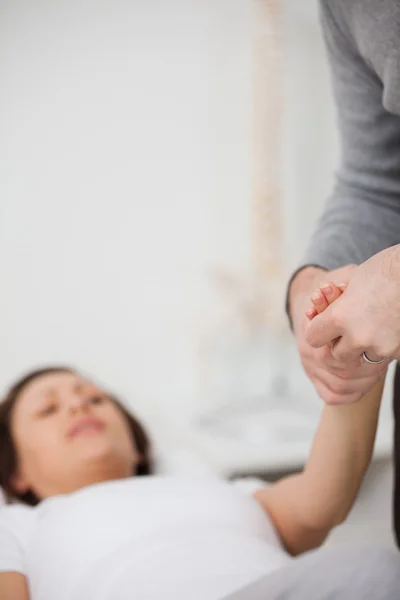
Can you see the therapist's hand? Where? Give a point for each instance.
(366, 318)
(336, 381)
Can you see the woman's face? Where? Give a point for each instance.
(68, 434)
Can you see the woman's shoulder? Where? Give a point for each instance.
(16, 524)
(16, 516)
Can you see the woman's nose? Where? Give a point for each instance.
(78, 403)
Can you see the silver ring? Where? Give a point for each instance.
(372, 362)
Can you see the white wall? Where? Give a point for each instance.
(311, 144)
(125, 133)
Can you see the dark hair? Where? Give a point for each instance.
(8, 454)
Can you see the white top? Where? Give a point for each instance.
(159, 537)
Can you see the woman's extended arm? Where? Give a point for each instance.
(13, 586)
(305, 507)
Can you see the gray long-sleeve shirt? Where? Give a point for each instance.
(362, 216)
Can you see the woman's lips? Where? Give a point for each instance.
(87, 425)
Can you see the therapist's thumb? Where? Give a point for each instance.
(322, 329)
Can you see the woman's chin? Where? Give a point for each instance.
(102, 453)
(92, 447)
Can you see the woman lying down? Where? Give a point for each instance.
(93, 523)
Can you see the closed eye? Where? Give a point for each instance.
(48, 410)
(96, 399)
